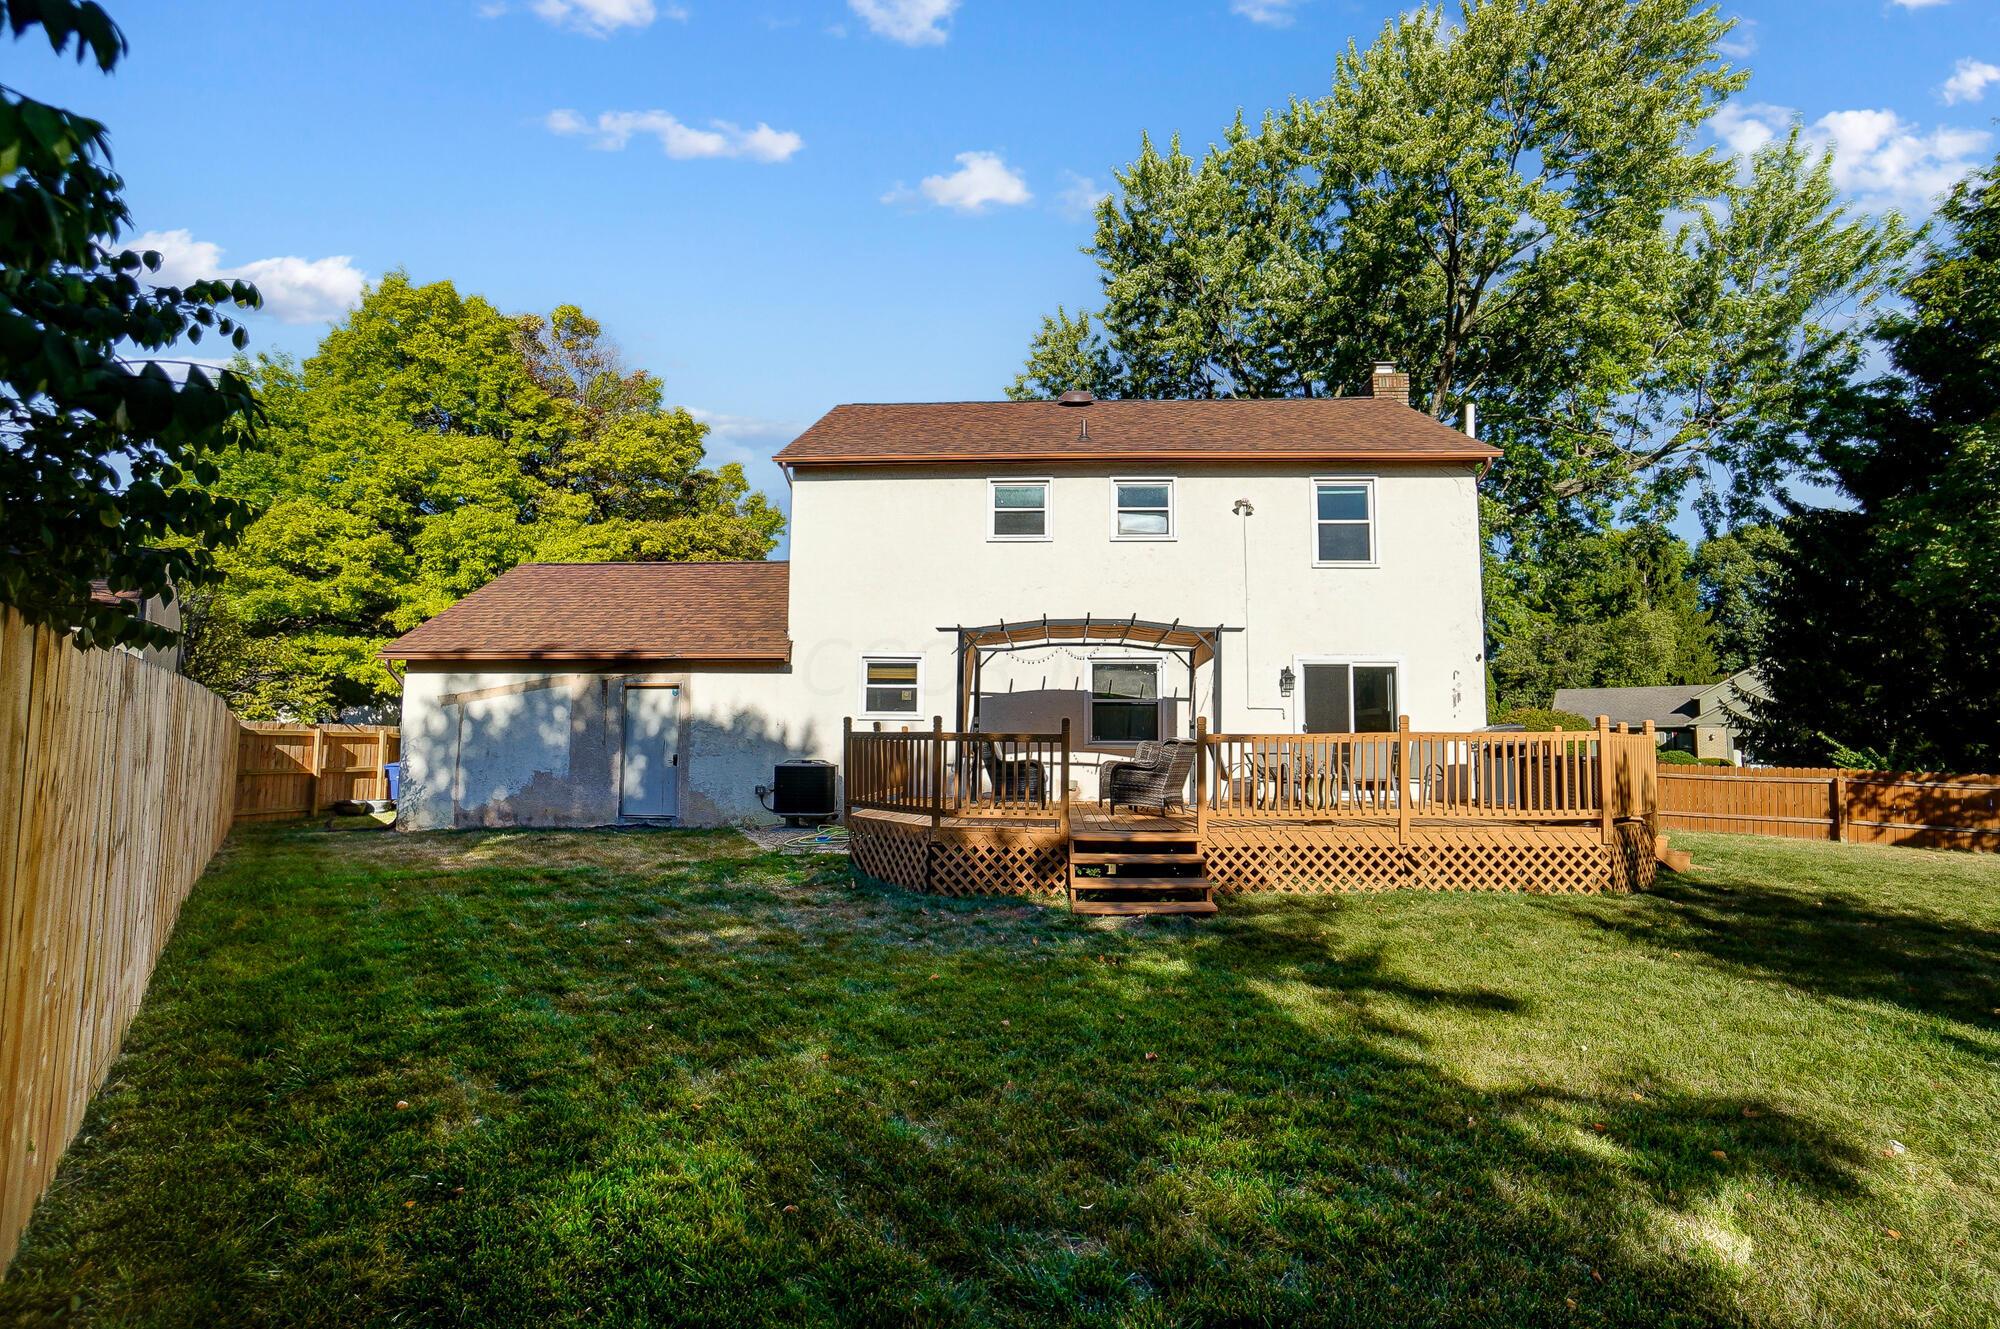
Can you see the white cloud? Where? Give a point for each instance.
(1921, 4)
(1879, 159)
(600, 18)
(982, 179)
(1271, 13)
(295, 290)
(1741, 43)
(612, 130)
(911, 22)
(1744, 127)
(1969, 81)
(1080, 196)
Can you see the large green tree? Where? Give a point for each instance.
(1513, 206)
(1884, 633)
(430, 444)
(1617, 609)
(105, 454)
(1736, 573)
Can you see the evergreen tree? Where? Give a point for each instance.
(1884, 632)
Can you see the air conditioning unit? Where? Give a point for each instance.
(803, 791)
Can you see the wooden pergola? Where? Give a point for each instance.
(1194, 646)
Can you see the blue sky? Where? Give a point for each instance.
(778, 205)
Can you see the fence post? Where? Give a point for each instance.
(1200, 778)
(318, 766)
(1604, 775)
(1840, 808)
(846, 769)
(1402, 780)
(937, 771)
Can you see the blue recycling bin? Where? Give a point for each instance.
(394, 770)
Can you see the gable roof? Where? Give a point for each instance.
(1229, 428)
(735, 612)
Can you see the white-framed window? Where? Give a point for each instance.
(1142, 509)
(1017, 509)
(1348, 696)
(892, 686)
(1343, 523)
(1124, 701)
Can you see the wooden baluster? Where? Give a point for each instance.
(1604, 776)
(1401, 778)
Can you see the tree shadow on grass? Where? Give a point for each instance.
(1828, 944)
(733, 1092)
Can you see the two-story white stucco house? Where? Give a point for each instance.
(1296, 565)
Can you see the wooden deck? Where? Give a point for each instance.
(978, 814)
(1105, 859)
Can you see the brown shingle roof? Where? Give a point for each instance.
(614, 611)
(1294, 428)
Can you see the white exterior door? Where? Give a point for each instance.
(650, 783)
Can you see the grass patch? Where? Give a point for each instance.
(662, 1078)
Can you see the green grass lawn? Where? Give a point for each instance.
(660, 1078)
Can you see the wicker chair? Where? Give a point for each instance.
(1160, 783)
(1144, 757)
(1016, 780)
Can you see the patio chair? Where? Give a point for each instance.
(1145, 756)
(1014, 780)
(1160, 784)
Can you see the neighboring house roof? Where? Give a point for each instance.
(614, 611)
(1667, 707)
(1671, 707)
(102, 594)
(1237, 429)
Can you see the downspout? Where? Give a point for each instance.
(1245, 512)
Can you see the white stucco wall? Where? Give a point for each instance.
(542, 747)
(883, 557)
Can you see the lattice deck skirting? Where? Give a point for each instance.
(1314, 859)
(905, 850)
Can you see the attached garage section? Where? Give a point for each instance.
(596, 695)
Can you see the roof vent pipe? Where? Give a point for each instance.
(1471, 421)
(1076, 398)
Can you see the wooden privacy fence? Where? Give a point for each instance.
(287, 770)
(1911, 808)
(115, 790)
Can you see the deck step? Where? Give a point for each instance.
(1109, 858)
(1133, 837)
(1674, 860)
(1139, 907)
(1134, 882)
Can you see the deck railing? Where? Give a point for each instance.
(1587, 776)
(937, 773)
(1322, 777)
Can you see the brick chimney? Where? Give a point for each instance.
(1386, 381)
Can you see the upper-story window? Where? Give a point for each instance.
(1018, 509)
(1343, 522)
(1142, 509)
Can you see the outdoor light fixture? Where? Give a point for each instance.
(1285, 680)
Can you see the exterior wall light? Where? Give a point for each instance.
(1286, 678)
